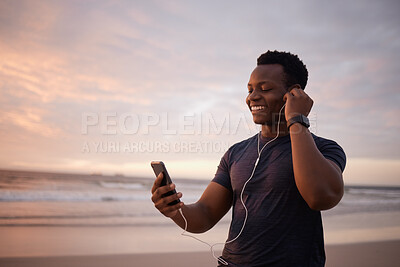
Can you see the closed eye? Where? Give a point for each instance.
(266, 89)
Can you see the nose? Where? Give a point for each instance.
(254, 95)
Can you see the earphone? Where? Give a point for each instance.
(184, 233)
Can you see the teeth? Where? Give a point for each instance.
(257, 107)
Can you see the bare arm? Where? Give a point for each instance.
(318, 179)
(202, 215)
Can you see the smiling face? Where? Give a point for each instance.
(266, 90)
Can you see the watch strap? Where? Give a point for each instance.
(303, 120)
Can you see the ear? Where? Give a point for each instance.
(294, 86)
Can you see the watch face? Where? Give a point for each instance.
(305, 121)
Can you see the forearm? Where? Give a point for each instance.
(197, 218)
(319, 182)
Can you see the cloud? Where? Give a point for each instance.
(30, 120)
(61, 59)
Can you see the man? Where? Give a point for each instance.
(298, 174)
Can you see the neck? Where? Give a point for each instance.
(278, 128)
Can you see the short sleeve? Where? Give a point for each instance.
(222, 176)
(332, 151)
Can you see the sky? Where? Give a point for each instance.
(108, 86)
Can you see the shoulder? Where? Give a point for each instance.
(245, 142)
(321, 142)
(331, 150)
(237, 150)
(240, 146)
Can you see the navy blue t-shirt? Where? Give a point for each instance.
(281, 229)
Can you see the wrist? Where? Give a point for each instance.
(297, 129)
(298, 120)
(177, 216)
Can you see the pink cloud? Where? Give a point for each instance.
(30, 119)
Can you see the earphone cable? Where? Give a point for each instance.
(184, 233)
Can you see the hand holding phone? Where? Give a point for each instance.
(159, 167)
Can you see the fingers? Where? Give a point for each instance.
(161, 203)
(170, 211)
(295, 92)
(157, 182)
(298, 92)
(287, 96)
(160, 191)
(297, 102)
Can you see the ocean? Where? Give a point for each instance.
(60, 199)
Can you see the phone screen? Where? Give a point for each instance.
(158, 167)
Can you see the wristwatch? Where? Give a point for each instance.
(303, 120)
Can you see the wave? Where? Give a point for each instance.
(371, 191)
(120, 185)
(68, 196)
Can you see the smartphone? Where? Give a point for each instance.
(158, 166)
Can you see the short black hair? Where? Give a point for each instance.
(294, 68)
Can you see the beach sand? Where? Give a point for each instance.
(360, 239)
(384, 253)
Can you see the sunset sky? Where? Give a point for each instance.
(108, 86)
